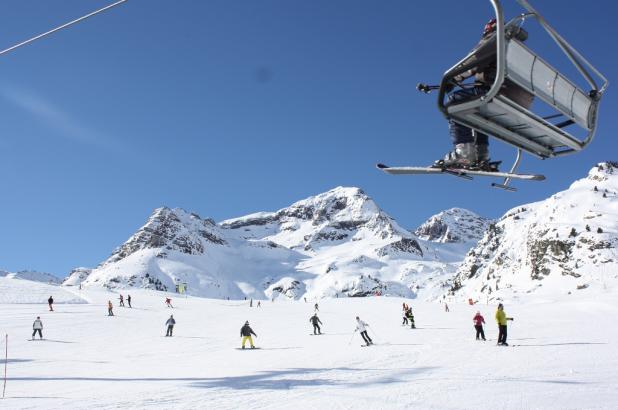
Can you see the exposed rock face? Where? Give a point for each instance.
(562, 244)
(171, 230)
(453, 225)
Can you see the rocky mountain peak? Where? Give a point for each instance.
(171, 230)
(455, 225)
(563, 244)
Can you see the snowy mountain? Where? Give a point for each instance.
(339, 243)
(32, 276)
(454, 225)
(564, 244)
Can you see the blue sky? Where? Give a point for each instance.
(230, 107)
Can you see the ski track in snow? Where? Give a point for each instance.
(565, 358)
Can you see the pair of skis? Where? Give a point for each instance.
(462, 173)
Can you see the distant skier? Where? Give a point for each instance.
(110, 308)
(170, 325)
(50, 302)
(37, 326)
(410, 317)
(405, 317)
(502, 319)
(168, 302)
(259, 304)
(129, 300)
(446, 309)
(362, 328)
(121, 299)
(245, 333)
(316, 307)
(315, 321)
(478, 325)
(251, 303)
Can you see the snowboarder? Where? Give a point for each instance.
(121, 299)
(410, 317)
(362, 328)
(259, 304)
(168, 302)
(37, 326)
(129, 300)
(315, 321)
(478, 325)
(110, 307)
(245, 333)
(471, 148)
(446, 309)
(50, 302)
(501, 318)
(405, 316)
(251, 303)
(170, 325)
(317, 309)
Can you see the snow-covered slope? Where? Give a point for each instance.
(33, 276)
(14, 290)
(339, 243)
(562, 358)
(566, 243)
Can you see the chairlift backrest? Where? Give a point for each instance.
(535, 75)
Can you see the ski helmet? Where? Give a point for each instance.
(490, 27)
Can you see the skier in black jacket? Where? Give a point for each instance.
(245, 333)
(315, 321)
(170, 325)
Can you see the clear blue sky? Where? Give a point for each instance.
(231, 107)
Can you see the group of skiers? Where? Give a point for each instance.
(246, 332)
(501, 320)
(408, 316)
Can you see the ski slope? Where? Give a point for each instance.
(565, 357)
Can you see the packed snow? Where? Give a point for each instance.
(14, 290)
(562, 355)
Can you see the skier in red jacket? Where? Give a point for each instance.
(478, 325)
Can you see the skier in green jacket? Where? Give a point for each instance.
(501, 319)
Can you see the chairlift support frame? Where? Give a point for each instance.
(496, 115)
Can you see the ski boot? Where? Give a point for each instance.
(483, 163)
(462, 157)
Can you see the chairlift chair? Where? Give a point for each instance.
(496, 115)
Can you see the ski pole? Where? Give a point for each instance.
(350, 342)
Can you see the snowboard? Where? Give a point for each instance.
(248, 348)
(36, 340)
(459, 172)
(319, 334)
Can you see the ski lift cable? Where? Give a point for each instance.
(70, 23)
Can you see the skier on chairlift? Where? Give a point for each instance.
(471, 148)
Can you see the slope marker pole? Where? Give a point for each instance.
(6, 359)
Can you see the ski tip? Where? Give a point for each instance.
(380, 165)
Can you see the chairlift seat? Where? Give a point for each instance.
(497, 115)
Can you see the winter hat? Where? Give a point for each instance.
(490, 27)
(500, 305)
(247, 322)
(357, 318)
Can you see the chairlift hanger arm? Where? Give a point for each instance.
(70, 23)
(576, 58)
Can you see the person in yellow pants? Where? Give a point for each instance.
(245, 333)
